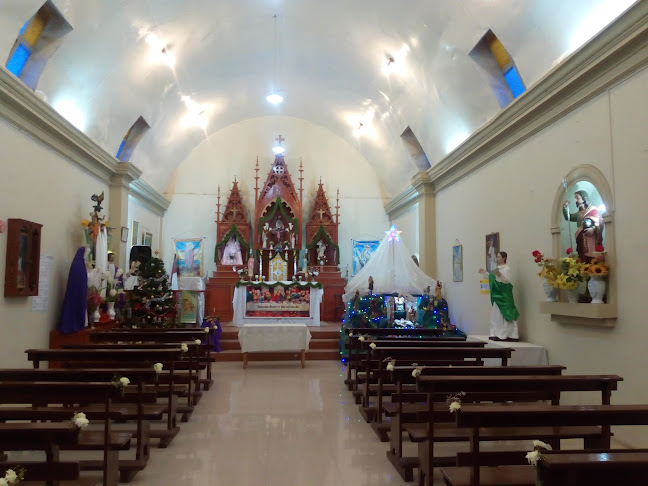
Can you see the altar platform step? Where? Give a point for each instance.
(324, 345)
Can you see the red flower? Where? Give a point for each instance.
(599, 248)
(570, 251)
(538, 259)
(536, 253)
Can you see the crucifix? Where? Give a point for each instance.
(280, 139)
(321, 213)
(234, 211)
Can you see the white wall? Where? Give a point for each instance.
(149, 222)
(38, 185)
(232, 152)
(514, 195)
(408, 223)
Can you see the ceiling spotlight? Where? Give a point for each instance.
(274, 98)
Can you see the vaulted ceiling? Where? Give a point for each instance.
(330, 59)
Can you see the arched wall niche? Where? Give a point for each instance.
(587, 314)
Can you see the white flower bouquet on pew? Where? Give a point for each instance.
(79, 419)
(534, 456)
(454, 401)
(13, 476)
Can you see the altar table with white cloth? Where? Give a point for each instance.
(525, 354)
(274, 337)
(240, 320)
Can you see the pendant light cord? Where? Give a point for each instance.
(274, 81)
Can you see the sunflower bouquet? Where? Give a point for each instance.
(596, 268)
(570, 274)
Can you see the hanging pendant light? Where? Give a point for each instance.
(274, 98)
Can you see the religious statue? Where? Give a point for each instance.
(291, 235)
(321, 250)
(132, 277)
(305, 265)
(589, 233)
(250, 265)
(232, 252)
(279, 229)
(504, 314)
(371, 285)
(264, 235)
(437, 290)
(411, 314)
(356, 300)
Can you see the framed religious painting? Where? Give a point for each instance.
(147, 238)
(23, 258)
(134, 232)
(457, 263)
(492, 249)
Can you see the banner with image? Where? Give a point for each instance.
(362, 251)
(277, 301)
(190, 257)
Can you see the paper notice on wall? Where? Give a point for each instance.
(484, 287)
(40, 302)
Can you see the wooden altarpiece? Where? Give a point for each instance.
(278, 217)
(323, 253)
(232, 224)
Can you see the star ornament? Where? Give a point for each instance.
(393, 234)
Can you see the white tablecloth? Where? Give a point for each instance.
(239, 310)
(274, 337)
(525, 354)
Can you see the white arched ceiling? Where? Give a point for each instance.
(329, 61)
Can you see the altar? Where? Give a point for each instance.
(280, 302)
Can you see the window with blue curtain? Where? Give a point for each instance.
(514, 82)
(18, 60)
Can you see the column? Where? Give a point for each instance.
(427, 223)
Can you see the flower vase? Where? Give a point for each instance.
(110, 309)
(572, 296)
(96, 315)
(550, 291)
(596, 287)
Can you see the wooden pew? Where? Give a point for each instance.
(355, 357)
(628, 467)
(46, 437)
(192, 355)
(419, 354)
(135, 358)
(478, 417)
(165, 336)
(405, 407)
(142, 411)
(426, 342)
(69, 394)
(503, 388)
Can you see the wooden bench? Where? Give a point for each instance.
(142, 408)
(69, 395)
(628, 467)
(165, 336)
(46, 437)
(477, 418)
(440, 355)
(405, 408)
(136, 358)
(355, 357)
(504, 388)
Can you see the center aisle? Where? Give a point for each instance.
(274, 424)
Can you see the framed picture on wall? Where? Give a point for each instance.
(124, 234)
(134, 232)
(492, 249)
(457, 263)
(147, 239)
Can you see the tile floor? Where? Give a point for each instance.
(274, 424)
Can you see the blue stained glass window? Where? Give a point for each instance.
(121, 147)
(514, 82)
(19, 59)
(22, 29)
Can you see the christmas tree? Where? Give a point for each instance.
(152, 303)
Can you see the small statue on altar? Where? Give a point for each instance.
(232, 252)
(321, 250)
(371, 285)
(437, 290)
(356, 300)
(250, 265)
(264, 235)
(291, 235)
(279, 229)
(305, 265)
(411, 314)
